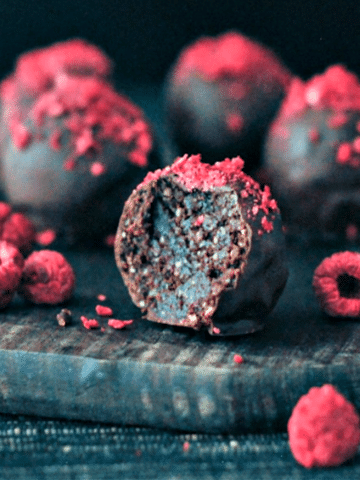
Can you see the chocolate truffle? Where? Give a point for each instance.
(312, 156)
(76, 157)
(36, 72)
(221, 95)
(201, 245)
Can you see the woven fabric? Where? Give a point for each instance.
(33, 449)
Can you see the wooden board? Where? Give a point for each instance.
(155, 375)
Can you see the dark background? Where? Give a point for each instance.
(145, 36)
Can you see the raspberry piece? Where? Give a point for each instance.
(336, 284)
(103, 311)
(119, 324)
(89, 323)
(323, 428)
(238, 358)
(11, 269)
(16, 228)
(47, 279)
(46, 237)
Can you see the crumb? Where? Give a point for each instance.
(238, 358)
(64, 318)
(97, 168)
(101, 297)
(186, 446)
(119, 324)
(109, 240)
(103, 311)
(89, 323)
(46, 237)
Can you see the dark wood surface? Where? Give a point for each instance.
(156, 375)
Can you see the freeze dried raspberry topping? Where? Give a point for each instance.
(92, 113)
(89, 323)
(230, 54)
(336, 89)
(35, 71)
(46, 237)
(336, 284)
(323, 428)
(103, 311)
(193, 174)
(11, 269)
(47, 278)
(16, 228)
(119, 324)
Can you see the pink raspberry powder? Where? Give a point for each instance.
(48, 278)
(323, 428)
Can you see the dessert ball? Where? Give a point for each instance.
(201, 245)
(35, 73)
(76, 157)
(312, 156)
(221, 94)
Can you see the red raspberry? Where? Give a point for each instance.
(47, 279)
(20, 231)
(11, 269)
(16, 228)
(323, 428)
(336, 283)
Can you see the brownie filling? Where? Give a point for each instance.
(181, 249)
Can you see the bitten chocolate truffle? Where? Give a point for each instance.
(201, 245)
(75, 158)
(312, 156)
(221, 95)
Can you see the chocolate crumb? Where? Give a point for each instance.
(64, 318)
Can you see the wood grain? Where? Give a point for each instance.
(155, 375)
